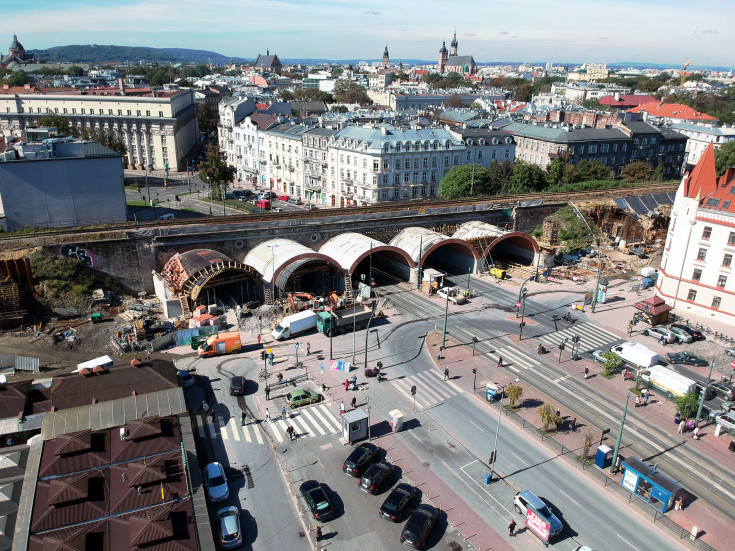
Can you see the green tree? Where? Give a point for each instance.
(185, 83)
(555, 174)
(526, 178)
(612, 363)
(286, 95)
(592, 169)
(570, 174)
(217, 172)
(346, 91)
(514, 393)
(454, 101)
(499, 177)
(687, 404)
(724, 157)
(476, 106)
(338, 109)
(75, 71)
(464, 181)
(637, 171)
(110, 139)
(54, 120)
(548, 416)
(18, 78)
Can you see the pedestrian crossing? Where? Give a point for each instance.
(513, 358)
(591, 337)
(431, 388)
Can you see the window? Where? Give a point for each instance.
(721, 281)
(137, 112)
(692, 296)
(83, 111)
(64, 110)
(702, 254)
(727, 261)
(581, 150)
(376, 165)
(129, 112)
(386, 164)
(697, 275)
(147, 113)
(119, 112)
(712, 203)
(725, 205)
(408, 164)
(706, 232)
(716, 302)
(731, 239)
(160, 114)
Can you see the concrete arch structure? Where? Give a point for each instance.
(351, 250)
(428, 248)
(279, 260)
(498, 243)
(210, 275)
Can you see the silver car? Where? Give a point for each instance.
(681, 335)
(215, 481)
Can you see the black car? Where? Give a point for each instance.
(695, 333)
(375, 476)
(237, 386)
(685, 358)
(419, 525)
(362, 456)
(399, 499)
(723, 391)
(708, 392)
(316, 497)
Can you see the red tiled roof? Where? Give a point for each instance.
(703, 179)
(722, 198)
(671, 111)
(627, 100)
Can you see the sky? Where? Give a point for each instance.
(610, 31)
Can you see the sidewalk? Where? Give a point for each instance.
(458, 357)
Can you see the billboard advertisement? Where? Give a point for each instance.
(538, 524)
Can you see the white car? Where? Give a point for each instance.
(455, 294)
(215, 481)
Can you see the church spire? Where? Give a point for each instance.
(453, 45)
(386, 58)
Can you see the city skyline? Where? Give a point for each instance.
(648, 31)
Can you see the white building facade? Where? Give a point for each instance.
(231, 112)
(700, 136)
(250, 147)
(696, 268)
(284, 159)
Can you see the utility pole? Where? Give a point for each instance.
(597, 284)
(188, 177)
(524, 292)
(367, 330)
(222, 191)
(620, 435)
(701, 399)
(446, 314)
(421, 248)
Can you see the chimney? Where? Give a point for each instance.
(121, 85)
(617, 96)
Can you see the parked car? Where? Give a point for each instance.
(685, 358)
(186, 378)
(310, 206)
(301, 397)
(681, 335)
(398, 501)
(375, 476)
(730, 351)
(696, 334)
(708, 392)
(727, 406)
(725, 392)
(525, 500)
(237, 386)
(597, 355)
(230, 535)
(276, 209)
(419, 526)
(658, 332)
(215, 481)
(294, 201)
(316, 497)
(283, 197)
(360, 458)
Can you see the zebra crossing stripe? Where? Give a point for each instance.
(256, 432)
(201, 430)
(519, 358)
(233, 427)
(212, 430)
(402, 386)
(431, 381)
(302, 425)
(275, 425)
(327, 420)
(312, 422)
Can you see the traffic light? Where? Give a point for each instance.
(262, 354)
(413, 390)
(474, 371)
(380, 365)
(561, 346)
(492, 458)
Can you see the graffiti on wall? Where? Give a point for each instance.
(79, 253)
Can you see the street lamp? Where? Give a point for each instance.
(494, 454)
(272, 247)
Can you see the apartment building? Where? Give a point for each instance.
(485, 145)
(284, 158)
(315, 145)
(231, 112)
(250, 148)
(695, 274)
(700, 136)
(158, 127)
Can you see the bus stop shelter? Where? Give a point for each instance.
(648, 484)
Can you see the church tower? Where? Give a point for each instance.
(386, 58)
(443, 56)
(453, 45)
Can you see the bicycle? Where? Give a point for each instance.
(263, 375)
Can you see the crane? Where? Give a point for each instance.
(684, 72)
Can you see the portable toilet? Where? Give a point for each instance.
(604, 453)
(396, 420)
(355, 425)
(493, 391)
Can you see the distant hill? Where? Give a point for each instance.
(96, 53)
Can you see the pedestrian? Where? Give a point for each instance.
(283, 413)
(308, 349)
(280, 377)
(637, 401)
(347, 384)
(512, 528)
(213, 416)
(586, 372)
(243, 418)
(695, 433)
(341, 408)
(558, 412)
(267, 415)
(318, 532)
(645, 398)
(731, 447)
(267, 392)
(574, 424)
(446, 373)
(682, 426)
(258, 338)
(625, 373)
(354, 402)
(500, 361)
(677, 418)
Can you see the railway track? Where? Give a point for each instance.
(117, 231)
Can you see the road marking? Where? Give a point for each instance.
(570, 498)
(201, 430)
(518, 458)
(275, 425)
(470, 463)
(223, 433)
(233, 428)
(312, 422)
(303, 425)
(330, 424)
(626, 541)
(478, 426)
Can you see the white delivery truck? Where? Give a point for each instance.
(295, 324)
(103, 361)
(636, 354)
(671, 382)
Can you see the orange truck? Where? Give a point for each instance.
(224, 343)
